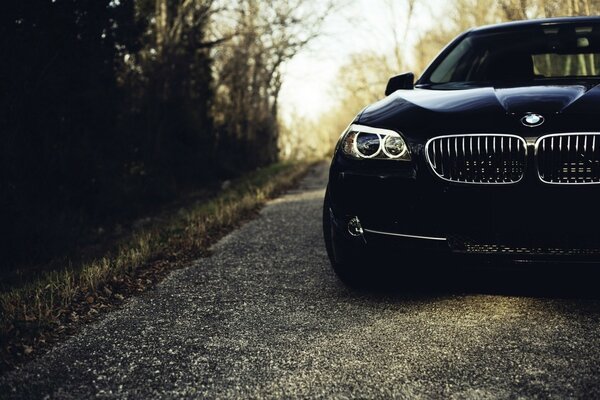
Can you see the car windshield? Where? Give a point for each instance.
(542, 53)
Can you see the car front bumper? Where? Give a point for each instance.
(410, 208)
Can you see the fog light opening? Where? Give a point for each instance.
(354, 227)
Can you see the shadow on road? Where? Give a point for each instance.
(569, 281)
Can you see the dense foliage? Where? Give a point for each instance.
(110, 106)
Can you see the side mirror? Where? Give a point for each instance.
(403, 81)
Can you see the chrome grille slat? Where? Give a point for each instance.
(575, 163)
(485, 159)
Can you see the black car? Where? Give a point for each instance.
(494, 152)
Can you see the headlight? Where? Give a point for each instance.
(363, 142)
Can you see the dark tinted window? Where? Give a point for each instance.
(523, 55)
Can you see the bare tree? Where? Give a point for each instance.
(249, 71)
(400, 29)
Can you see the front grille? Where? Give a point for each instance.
(478, 158)
(569, 158)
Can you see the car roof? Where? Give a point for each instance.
(535, 22)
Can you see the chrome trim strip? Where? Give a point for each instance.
(404, 235)
(434, 164)
(479, 136)
(456, 147)
(560, 136)
(369, 129)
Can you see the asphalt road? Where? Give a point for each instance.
(265, 317)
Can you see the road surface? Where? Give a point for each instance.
(264, 317)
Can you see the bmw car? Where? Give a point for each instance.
(493, 153)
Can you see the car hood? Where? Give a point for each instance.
(485, 109)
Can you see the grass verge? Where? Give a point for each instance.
(33, 316)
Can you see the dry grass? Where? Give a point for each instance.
(32, 315)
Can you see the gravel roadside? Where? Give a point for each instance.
(264, 317)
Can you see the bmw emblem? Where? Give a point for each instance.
(532, 120)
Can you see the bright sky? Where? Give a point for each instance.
(360, 25)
